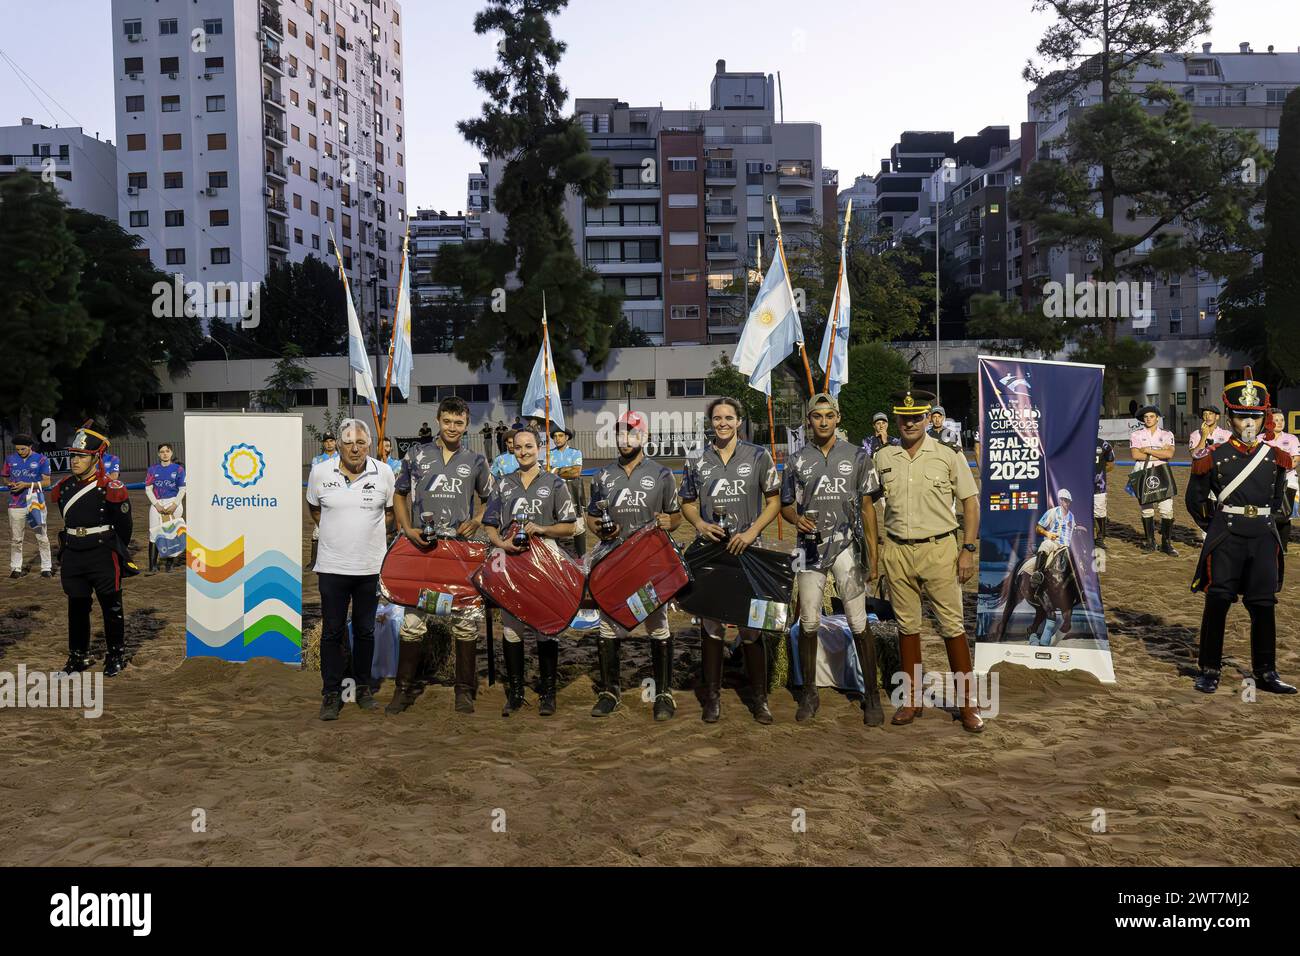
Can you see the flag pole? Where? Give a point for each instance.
(546, 380)
(392, 345)
(835, 302)
(771, 442)
(780, 248)
(352, 388)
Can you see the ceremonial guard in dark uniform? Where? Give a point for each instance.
(1235, 495)
(93, 551)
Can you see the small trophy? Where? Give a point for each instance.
(606, 524)
(811, 540)
(521, 536)
(427, 532)
(724, 521)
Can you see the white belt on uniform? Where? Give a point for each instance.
(1250, 511)
(82, 532)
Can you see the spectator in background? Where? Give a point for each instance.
(164, 486)
(329, 449)
(1207, 433)
(112, 467)
(506, 463)
(26, 470)
(426, 433)
(566, 461)
(500, 431)
(486, 432)
(1287, 442)
(390, 459)
(880, 434)
(941, 432)
(351, 501)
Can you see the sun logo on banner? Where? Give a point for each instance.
(243, 465)
(766, 317)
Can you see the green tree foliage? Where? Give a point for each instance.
(1009, 330)
(138, 329)
(548, 159)
(43, 321)
(725, 379)
(875, 372)
(302, 304)
(287, 376)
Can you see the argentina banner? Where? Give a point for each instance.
(243, 582)
(1039, 601)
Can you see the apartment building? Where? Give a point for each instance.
(84, 168)
(252, 130)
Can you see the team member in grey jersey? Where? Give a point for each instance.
(441, 479)
(742, 479)
(634, 491)
(537, 503)
(836, 482)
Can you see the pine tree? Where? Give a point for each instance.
(287, 376)
(548, 158)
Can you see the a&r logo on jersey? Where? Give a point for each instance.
(243, 465)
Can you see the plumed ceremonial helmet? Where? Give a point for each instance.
(87, 441)
(1247, 397)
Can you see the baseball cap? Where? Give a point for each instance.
(634, 421)
(822, 398)
(938, 410)
(879, 417)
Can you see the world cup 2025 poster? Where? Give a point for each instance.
(1039, 599)
(243, 581)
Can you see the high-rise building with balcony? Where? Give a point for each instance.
(251, 130)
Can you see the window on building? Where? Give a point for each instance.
(133, 64)
(685, 275)
(683, 238)
(685, 312)
(216, 141)
(683, 200)
(218, 180)
(176, 257)
(311, 397)
(432, 394)
(294, 133)
(612, 391)
(135, 142)
(167, 28)
(216, 104)
(173, 217)
(139, 218)
(685, 387)
(171, 104)
(173, 180)
(214, 64)
(291, 27)
(137, 180)
(218, 217)
(221, 256)
(228, 400)
(157, 402)
(135, 104)
(212, 27)
(132, 28)
(297, 237)
(169, 64)
(171, 141)
(1175, 321)
(682, 164)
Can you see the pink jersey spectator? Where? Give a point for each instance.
(1145, 438)
(1217, 437)
(1288, 443)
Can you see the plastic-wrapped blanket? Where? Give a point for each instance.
(637, 576)
(751, 589)
(413, 576)
(542, 586)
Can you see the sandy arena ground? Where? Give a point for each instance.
(1182, 779)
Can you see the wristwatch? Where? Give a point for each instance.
(969, 547)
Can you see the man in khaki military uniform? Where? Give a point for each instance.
(920, 479)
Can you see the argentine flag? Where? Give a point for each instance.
(542, 382)
(358, 361)
(403, 358)
(772, 329)
(840, 373)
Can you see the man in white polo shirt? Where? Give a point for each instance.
(351, 500)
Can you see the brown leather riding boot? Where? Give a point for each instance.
(408, 665)
(909, 652)
(960, 664)
(872, 714)
(466, 675)
(711, 678)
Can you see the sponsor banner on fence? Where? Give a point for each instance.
(1039, 595)
(243, 584)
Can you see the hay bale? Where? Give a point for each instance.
(311, 648)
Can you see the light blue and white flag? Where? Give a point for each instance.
(403, 357)
(772, 329)
(839, 319)
(359, 363)
(542, 382)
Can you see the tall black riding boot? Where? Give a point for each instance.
(1148, 534)
(756, 669)
(466, 675)
(1213, 619)
(711, 678)
(153, 556)
(1100, 533)
(1263, 650)
(513, 652)
(611, 692)
(408, 666)
(872, 713)
(115, 660)
(78, 635)
(661, 660)
(548, 666)
(1167, 529)
(808, 699)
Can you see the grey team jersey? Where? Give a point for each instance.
(833, 485)
(444, 489)
(635, 499)
(545, 502)
(741, 485)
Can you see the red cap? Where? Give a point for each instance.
(634, 421)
